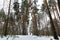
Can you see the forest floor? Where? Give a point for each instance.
(27, 37)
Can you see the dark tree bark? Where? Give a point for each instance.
(55, 21)
(51, 21)
(6, 20)
(58, 4)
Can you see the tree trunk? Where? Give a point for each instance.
(51, 21)
(58, 4)
(6, 20)
(56, 10)
(55, 21)
(35, 29)
(24, 27)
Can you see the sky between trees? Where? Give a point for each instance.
(6, 2)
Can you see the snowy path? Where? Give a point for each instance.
(27, 38)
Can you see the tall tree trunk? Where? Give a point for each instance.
(55, 22)
(25, 10)
(34, 19)
(6, 20)
(35, 29)
(51, 21)
(56, 9)
(24, 27)
(58, 4)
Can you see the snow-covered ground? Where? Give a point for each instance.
(27, 37)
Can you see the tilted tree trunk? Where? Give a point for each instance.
(51, 21)
(53, 4)
(58, 4)
(56, 9)
(55, 22)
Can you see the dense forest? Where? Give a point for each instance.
(28, 19)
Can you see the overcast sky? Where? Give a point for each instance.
(7, 1)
